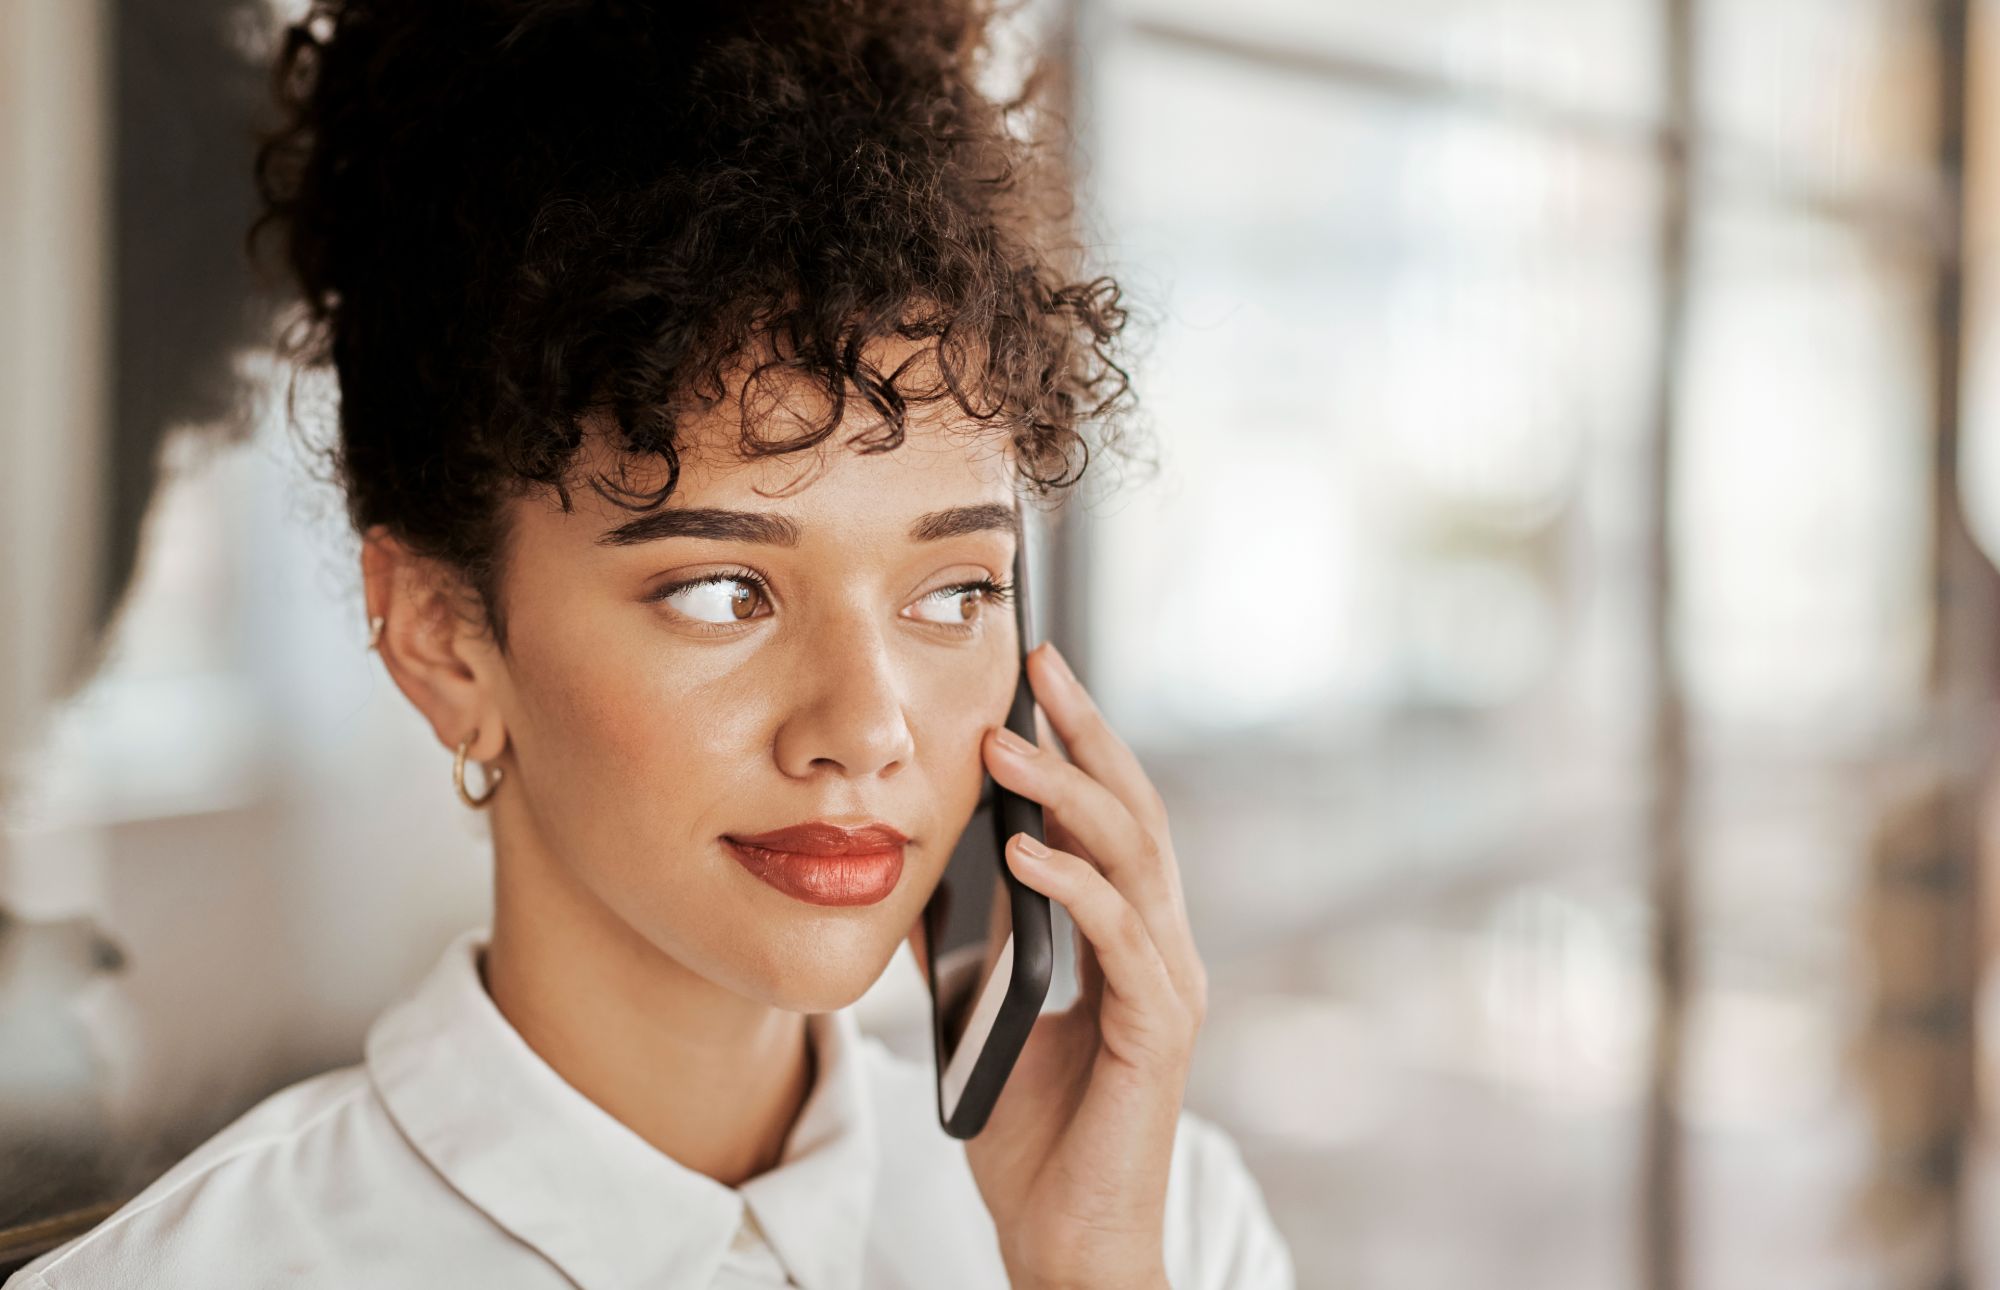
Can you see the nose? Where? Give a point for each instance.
(848, 715)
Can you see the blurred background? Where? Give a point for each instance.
(1562, 624)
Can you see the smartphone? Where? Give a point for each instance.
(989, 936)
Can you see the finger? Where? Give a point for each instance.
(1186, 960)
(1045, 738)
(1045, 735)
(1089, 813)
(1193, 975)
(1094, 823)
(1142, 1018)
(1093, 745)
(1089, 975)
(1089, 972)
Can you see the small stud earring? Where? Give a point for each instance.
(375, 626)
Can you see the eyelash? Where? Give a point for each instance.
(996, 593)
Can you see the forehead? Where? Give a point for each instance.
(940, 457)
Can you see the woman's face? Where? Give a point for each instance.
(834, 669)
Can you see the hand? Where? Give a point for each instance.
(1072, 1163)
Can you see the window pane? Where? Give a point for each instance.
(1368, 630)
(1804, 518)
(1830, 94)
(1390, 337)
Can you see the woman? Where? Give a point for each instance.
(693, 363)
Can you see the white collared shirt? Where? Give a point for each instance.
(454, 1156)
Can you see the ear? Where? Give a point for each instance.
(436, 646)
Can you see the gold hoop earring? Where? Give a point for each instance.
(493, 774)
(375, 626)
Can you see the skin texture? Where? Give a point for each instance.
(667, 983)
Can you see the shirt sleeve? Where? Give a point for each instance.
(1220, 1235)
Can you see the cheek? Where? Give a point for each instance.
(635, 739)
(957, 708)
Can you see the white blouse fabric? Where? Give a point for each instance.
(454, 1156)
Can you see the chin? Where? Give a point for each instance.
(827, 994)
(780, 969)
(817, 982)
(828, 1001)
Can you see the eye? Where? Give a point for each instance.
(716, 598)
(959, 605)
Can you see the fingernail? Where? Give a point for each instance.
(1030, 846)
(1012, 742)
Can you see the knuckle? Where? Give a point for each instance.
(1197, 997)
(1061, 779)
(1177, 1031)
(1099, 897)
(1188, 1028)
(1094, 732)
(1065, 801)
(1129, 928)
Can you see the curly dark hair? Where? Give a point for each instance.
(503, 215)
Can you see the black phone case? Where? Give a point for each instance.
(1034, 949)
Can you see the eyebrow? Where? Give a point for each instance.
(768, 529)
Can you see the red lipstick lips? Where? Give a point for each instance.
(823, 863)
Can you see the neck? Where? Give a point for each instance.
(708, 1077)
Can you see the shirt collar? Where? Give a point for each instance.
(608, 1208)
